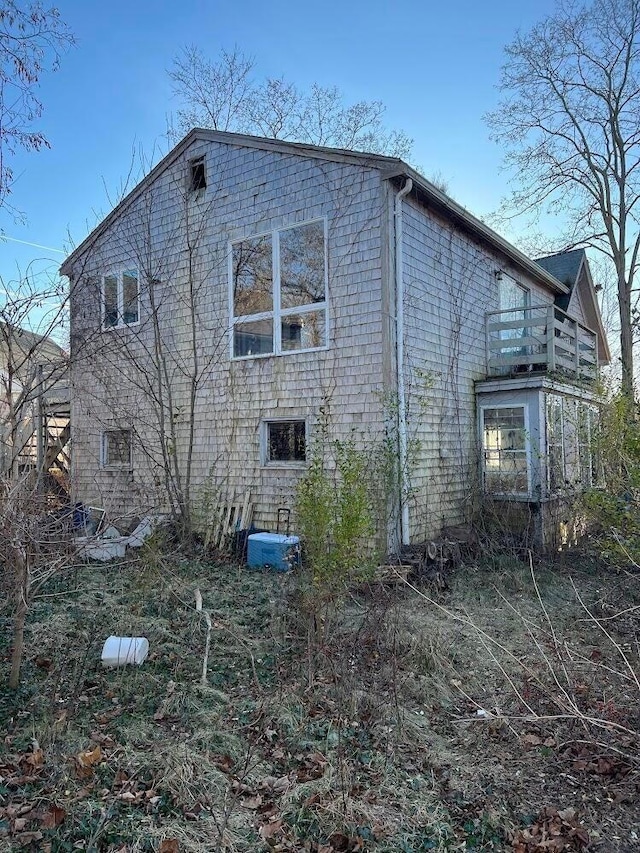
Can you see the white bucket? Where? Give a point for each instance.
(119, 651)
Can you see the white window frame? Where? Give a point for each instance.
(527, 448)
(264, 444)
(562, 445)
(118, 274)
(277, 313)
(115, 466)
(572, 456)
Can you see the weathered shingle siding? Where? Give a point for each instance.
(249, 192)
(450, 284)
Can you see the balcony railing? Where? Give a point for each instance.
(537, 339)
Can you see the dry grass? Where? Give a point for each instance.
(375, 744)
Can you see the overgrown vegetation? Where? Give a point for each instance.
(492, 715)
(614, 513)
(335, 513)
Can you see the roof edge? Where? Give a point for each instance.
(301, 149)
(460, 213)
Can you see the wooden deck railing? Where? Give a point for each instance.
(540, 338)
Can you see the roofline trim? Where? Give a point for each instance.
(456, 211)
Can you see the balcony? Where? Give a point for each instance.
(540, 339)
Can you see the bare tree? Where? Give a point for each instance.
(34, 432)
(570, 122)
(32, 38)
(32, 368)
(222, 94)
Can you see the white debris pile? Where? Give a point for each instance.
(109, 544)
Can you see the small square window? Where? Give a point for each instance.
(198, 174)
(116, 448)
(285, 442)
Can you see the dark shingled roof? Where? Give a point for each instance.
(564, 266)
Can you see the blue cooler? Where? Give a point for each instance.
(273, 550)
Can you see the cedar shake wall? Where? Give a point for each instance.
(450, 283)
(115, 382)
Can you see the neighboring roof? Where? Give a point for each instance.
(390, 167)
(29, 342)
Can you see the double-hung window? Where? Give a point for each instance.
(120, 299)
(279, 291)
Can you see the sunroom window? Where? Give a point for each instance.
(572, 446)
(279, 291)
(505, 462)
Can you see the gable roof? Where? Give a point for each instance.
(572, 269)
(29, 344)
(389, 167)
(564, 266)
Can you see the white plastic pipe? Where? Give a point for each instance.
(402, 412)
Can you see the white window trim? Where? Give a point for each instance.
(264, 444)
(501, 276)
(118, 273)
(277, 313)
(565, 486)
(527, 447)
(568, 487)
(115, 466)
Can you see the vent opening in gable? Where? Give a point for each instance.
(198, 174)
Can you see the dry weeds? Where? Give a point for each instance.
(499, 714)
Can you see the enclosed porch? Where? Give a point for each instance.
(538, 439)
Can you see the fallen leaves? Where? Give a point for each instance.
(86, 761)
(555, 830)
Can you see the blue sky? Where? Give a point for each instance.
(434, 65)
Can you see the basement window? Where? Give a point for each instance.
(198, 174)
(116, 448)
(284, 442)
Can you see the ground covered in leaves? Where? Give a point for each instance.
(499, 713)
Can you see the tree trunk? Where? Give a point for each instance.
(22, 597)
(626, 337)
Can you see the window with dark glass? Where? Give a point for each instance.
(198, 174)
(286, 441)
(120, 299)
